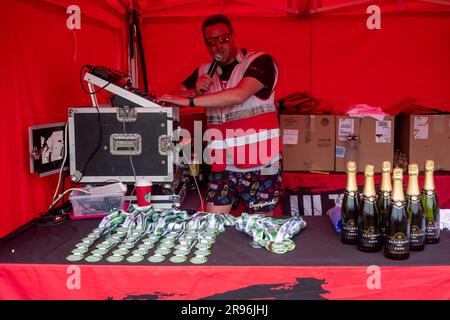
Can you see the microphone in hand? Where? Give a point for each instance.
(214, 64)
(212, 68)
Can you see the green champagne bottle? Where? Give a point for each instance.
(415, 210)
(397, 224)
(350, 203)
(384, 196)
(430, 205)
(369, 236)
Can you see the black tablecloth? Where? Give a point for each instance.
(317, 245)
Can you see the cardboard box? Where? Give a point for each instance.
(308, 142)
(373, 142)
(423, 137)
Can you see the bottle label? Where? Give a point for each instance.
(369, 238)
(417, 237)
(398, 244)
(350, 230)
(432, 230)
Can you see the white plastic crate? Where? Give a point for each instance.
(94, 206)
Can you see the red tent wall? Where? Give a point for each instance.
(332, 54)
(409, 56)
(40, 64)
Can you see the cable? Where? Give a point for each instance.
(62, 195)
(100, 128)
(116, 73)
(62, 165)
(132, 167)
(129, 149)
(100, 138)
(141, 50)
(63, 187)
(54, 221)
(81, 82)
(106, 96)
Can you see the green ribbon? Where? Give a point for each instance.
(266, 232)
(269, 232)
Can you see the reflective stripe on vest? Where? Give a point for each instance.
(241, 114)
(240, 141)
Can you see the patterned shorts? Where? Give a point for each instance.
(259, 192)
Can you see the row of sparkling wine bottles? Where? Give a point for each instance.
(400, 223)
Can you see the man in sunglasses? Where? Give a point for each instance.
(239, 98)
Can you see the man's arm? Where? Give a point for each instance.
(187, 87)
(247, 87)
(182, 91)
(263, 69)
(193, 85)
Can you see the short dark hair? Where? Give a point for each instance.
(216, 19)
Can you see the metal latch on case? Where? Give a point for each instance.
(165, 145)
(126, 114)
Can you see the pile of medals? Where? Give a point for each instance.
(273, 234)
(135, 233)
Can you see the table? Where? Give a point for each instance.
(320, 267)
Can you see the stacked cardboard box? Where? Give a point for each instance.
(308, 142)
(364, 140)
(423, 137)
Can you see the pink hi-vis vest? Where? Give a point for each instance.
(248, 134)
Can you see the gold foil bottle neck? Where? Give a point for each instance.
(428, 183)
(351, 166)
(398, 174)
(386, 166)
(386, 185)
(429, 165)
(369, 185)
(413, 169)
(369, 170)
(397, 191)
(413, 180)
(352, 185)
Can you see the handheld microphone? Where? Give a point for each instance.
(214, 64)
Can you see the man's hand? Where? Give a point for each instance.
(178, 100)
(203, 83)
